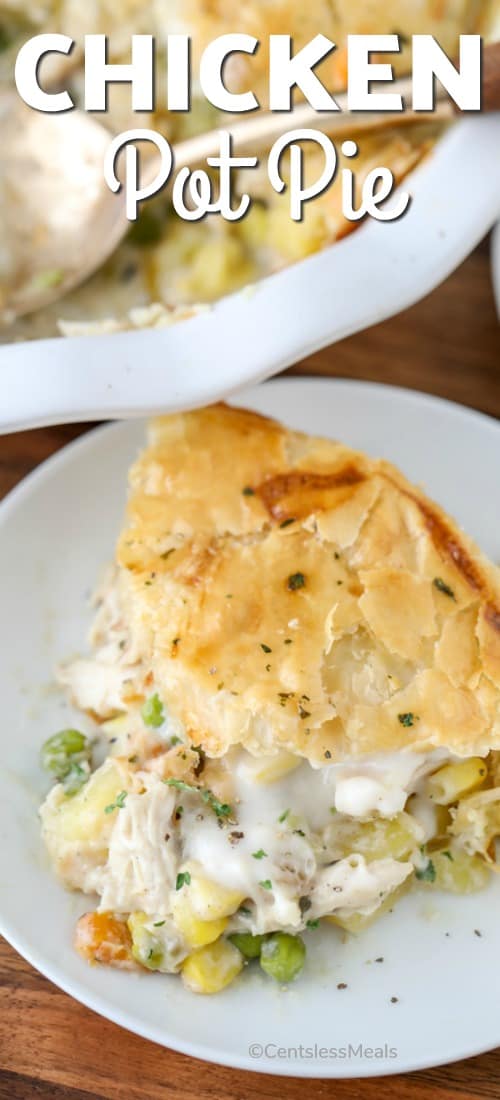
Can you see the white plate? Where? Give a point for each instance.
(57, 529)
(369, 276)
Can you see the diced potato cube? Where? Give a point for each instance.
(268, 770)
(294, 240)
(253, 227)
(213, 967)
(459, 872)
(195, 931)
(380, 838)
(454, 781)
(82, 817)
(209, 900)
(219, 265)
(102, 938)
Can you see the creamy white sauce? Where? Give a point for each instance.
(284, 852)
(424, 811)
(372, 784)
(381, 784)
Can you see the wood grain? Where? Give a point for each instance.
(491, 77)
(51, 1048)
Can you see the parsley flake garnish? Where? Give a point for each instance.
(312, 923)
(152, 712)
(183, 879)
(287, 522)
(427, 873)
(75, 778)
(158, 923)
(248, 491)
(441, 586)
(118, 804)
(407, 719)
(283, 816)
(265, 648)
(295, 581)
(266, 884)
(259, 854)
(220, 809)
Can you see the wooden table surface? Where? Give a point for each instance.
(51, 1048)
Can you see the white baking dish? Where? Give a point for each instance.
(369, 276)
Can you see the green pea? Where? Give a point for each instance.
(246, 943)
(62, 751)
(152, 712)
(282, 956)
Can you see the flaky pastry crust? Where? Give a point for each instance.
(289, 593)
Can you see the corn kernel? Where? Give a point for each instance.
(212, 968)
(209, 900)
(196, 932)
(454, 781)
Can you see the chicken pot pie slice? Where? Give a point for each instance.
(296, 677)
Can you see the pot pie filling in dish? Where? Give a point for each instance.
(165, 265)
(294, 703)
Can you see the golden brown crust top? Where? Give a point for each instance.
(291, 593)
